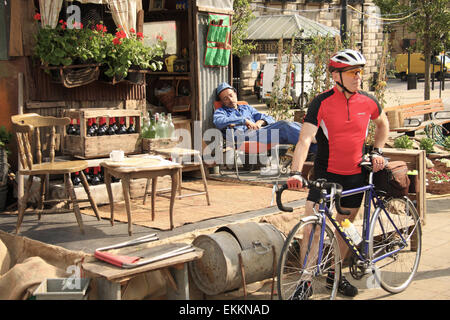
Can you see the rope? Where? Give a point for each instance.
(437, 133)
(384, 19)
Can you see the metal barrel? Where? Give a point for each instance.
(219, 269)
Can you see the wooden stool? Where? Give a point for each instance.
(178, 155)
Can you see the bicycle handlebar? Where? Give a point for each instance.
(317, 184)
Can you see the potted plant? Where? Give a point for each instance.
(124, 53)
(5, 138)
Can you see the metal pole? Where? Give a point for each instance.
(343, 27)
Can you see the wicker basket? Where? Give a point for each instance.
(75, 75)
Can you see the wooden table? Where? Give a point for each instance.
(111, 278)
(136, 168)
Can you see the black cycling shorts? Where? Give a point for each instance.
(347, 182)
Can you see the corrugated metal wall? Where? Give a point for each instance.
(209, 77)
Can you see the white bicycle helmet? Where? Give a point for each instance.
(346, 58)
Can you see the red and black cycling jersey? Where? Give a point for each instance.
(343, 127)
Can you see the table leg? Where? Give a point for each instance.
(175, 177)
(107, 178)
(89, 195)
(145, 192)
(154, 183)
(202, 171)
(126, 196)
(180, 174)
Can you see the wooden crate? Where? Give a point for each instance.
(415, 160)
(82, 146)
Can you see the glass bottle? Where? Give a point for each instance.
(122, 126)
(91, 131)
(170, 126)
(95, 177)
(76, 179)
(115, 126)
(88, 175)
(95, 125)
(110, 130)
(77, 128)
(70, 128)
(102, 127)
(131, 128)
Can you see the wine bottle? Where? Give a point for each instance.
(95, 178)
(77, 128)
(76, 179)
(70, 128)
(131, 128)
(88, 175)
(122, 126)
(115, 126)
(91, 130)
(102, 127)
(110, 130)
(170, 126)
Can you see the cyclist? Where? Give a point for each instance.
(339, 119)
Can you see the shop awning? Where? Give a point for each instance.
(275, 27)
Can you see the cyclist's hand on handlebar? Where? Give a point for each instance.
(296, 181)
(378, 161)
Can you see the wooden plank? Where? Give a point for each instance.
(45, 104)
(413, 104)
(111, 272)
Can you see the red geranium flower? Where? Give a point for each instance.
(117, 41)
(140, 35)
(121, 34)
(132, 30)
(37, 17)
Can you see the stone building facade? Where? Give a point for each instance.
(327, 12)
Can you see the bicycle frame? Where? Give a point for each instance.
(370, 199)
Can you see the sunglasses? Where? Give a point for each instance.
(354, 72)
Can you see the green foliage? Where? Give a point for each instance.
(5, 138)
(242, 16)
(63, 46)
(427, 145)
(403, 142)
(320, 49)
(447, 143)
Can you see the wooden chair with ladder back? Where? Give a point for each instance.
(252, 148)
(30, 129)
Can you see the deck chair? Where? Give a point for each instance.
(272, 151)
(30, 129)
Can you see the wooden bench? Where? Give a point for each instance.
(397, 116)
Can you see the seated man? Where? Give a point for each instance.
(248, 123)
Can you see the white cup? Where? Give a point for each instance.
(117, 155)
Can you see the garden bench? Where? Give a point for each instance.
(403, 118)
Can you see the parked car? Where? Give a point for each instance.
(417, 65)
(268, 75)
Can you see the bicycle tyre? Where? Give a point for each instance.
(292, 276)
(395, 272)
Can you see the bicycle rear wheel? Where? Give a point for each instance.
(301, 276)
(401, 248)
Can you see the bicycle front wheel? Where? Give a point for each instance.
(302, 275)
(395, 244)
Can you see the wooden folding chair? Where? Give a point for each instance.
(30, 130)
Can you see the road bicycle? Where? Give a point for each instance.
(388, 254)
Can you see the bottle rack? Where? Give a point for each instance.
(87, 147)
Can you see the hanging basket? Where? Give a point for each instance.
(75, 75)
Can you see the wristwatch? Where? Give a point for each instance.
(377, 151)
